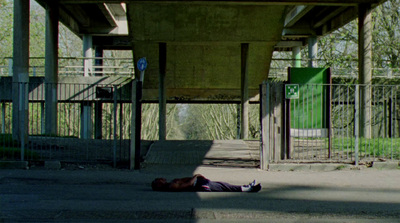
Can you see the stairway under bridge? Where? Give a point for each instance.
(224, 153)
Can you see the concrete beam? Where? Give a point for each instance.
(296, 14)
(338, 21)
(322, 18)
(81, 16)
(205, 23)
(108, 14)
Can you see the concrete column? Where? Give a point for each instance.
(365, 67)
(51, 68)
(312, 51)
(244, 134)
(20, 72)
(162, 121)
(87, 52)
(98, 62)
(98, 106)
(86, 110)
(296, 56)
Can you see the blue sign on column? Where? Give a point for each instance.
(142, 64)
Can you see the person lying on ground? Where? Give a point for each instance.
(199, 183)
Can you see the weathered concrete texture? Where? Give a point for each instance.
(310, 167)
(201, 71)
(52, 165)
(191, 152)
(205, 22)
(203, 47)
(367, 195)
(386, 165)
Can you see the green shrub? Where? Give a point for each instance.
(13, 153)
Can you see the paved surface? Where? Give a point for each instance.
(209, 152)
(82, 195)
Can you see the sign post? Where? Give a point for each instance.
(142, 65)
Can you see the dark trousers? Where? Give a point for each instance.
(215, 186)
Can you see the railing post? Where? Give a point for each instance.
(115, 127)
(162, 101)
(265, 125)
(3, 117)
(356, 123)
(43, 115)
(238, 121)
(136, 117)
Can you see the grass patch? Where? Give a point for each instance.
(13, 153)
(11, 149)
(7, 140)
(378, 147)
(341, 167)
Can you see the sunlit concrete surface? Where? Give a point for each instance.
(85, 194)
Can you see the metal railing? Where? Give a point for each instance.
(125, 66)
(92, 125)
(81, 66)
(340, 131)
(346, 69)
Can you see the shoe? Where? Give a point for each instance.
(255, 188)
(252, 184)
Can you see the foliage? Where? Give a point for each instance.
(6, 139)
(6, 28)
(11, 149)
(386, 34)
(210, 121)
(339, 48)
(216, 121)
(11, 153)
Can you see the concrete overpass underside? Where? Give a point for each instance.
(209, 51)
(197, 51)
(204, 47)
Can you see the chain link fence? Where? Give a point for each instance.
(92, 124)
(333, 123)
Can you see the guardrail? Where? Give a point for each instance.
(125, 66)
(95, 66)
(347, 69)
(339, 131)
(92, 125)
